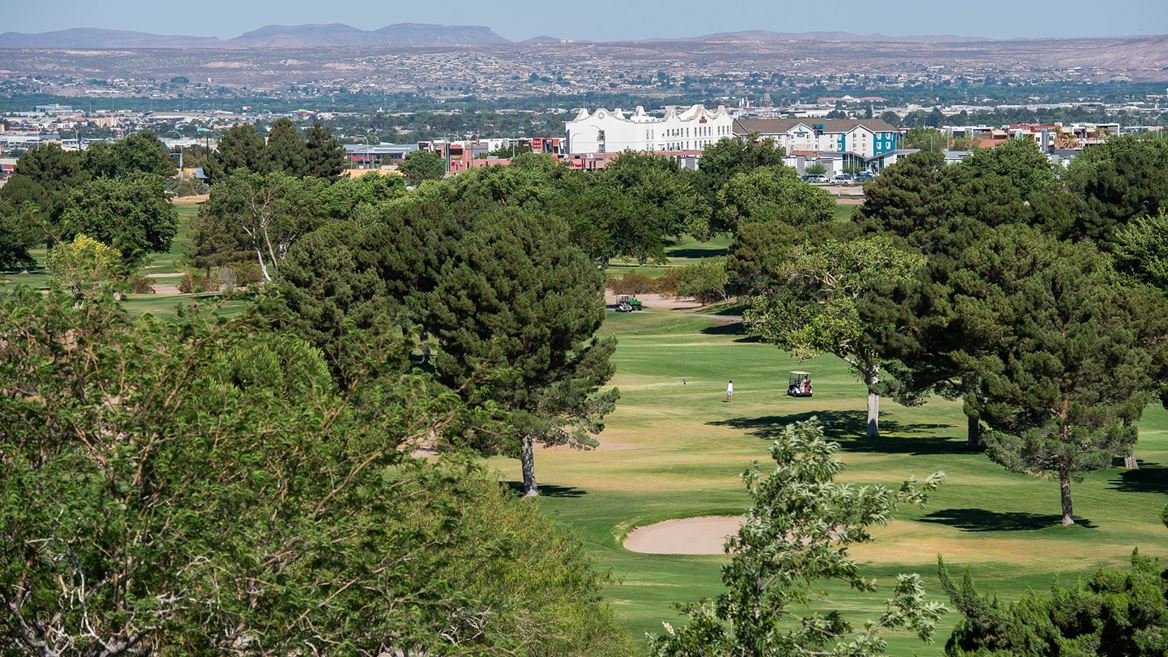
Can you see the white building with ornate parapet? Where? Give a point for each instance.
(612, 132)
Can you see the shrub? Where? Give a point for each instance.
(631, 283)
(197, 283)
(666, 284)
(703, 281)
(140, 284)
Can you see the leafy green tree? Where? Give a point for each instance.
(725, 158)
(1114, 613)
(131, 214)
(18, 232)
(1061, 371)
(515, 313)
(927, 139)
(704, 281)
(84, 266)
(820, 305)
(325, 157)
(201, 487)
(269, 211)
(508, 152)
(240, 148)
(285, 151)
(422, 165)
(816, 169)
(1018, 161)
(795, 535)
(141, 152)
(665, 195)
(1121, 179)
(1141, 249)
(771, 193)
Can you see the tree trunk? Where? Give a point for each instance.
(973, 430)
(873, 405)
(527, 460)
(1130, 462)
(1065, 493)
(1129, 457)
(263, 268)
(873, 415)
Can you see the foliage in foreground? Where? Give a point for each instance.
(795, 535)
(1114, 613)
(202, 487)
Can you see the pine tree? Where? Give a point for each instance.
(325, 157)
(285, 151)
(240, 148)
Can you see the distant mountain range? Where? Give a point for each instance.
(270, 36)
(337, 35)
(773, 37)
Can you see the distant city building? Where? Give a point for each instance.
(612, 132)
(865, 138)
(376, 155)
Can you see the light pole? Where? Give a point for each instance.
(368, 146)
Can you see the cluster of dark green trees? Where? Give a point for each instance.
(114, 193)
(315, 154)
(1033, 295)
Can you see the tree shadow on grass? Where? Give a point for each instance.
(725, 328)
(984, 520)
(547, 490)
(696, 253)
(847, 428)
(1150, 478)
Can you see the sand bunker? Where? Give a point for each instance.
(704, 535)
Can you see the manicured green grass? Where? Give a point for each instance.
(674, 449)
(683, 252)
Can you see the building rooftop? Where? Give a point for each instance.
(773, 126)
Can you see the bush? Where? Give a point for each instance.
(666, 284)
(197, 283)
(191, 187)
(140, 284)
(631, 283)
(703, 281)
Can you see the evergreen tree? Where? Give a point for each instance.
(515, 313)
(285, 151)
(240, 148)
(324, 157)
(1060, 362)
(1113, 613)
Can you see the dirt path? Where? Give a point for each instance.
(704, 535)
(653, 300)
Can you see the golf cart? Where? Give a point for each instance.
(627, 304)
(799, 384)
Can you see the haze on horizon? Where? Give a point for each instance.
(635, 19)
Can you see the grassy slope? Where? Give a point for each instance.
(675, 450)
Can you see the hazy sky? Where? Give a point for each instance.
(608, 19)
